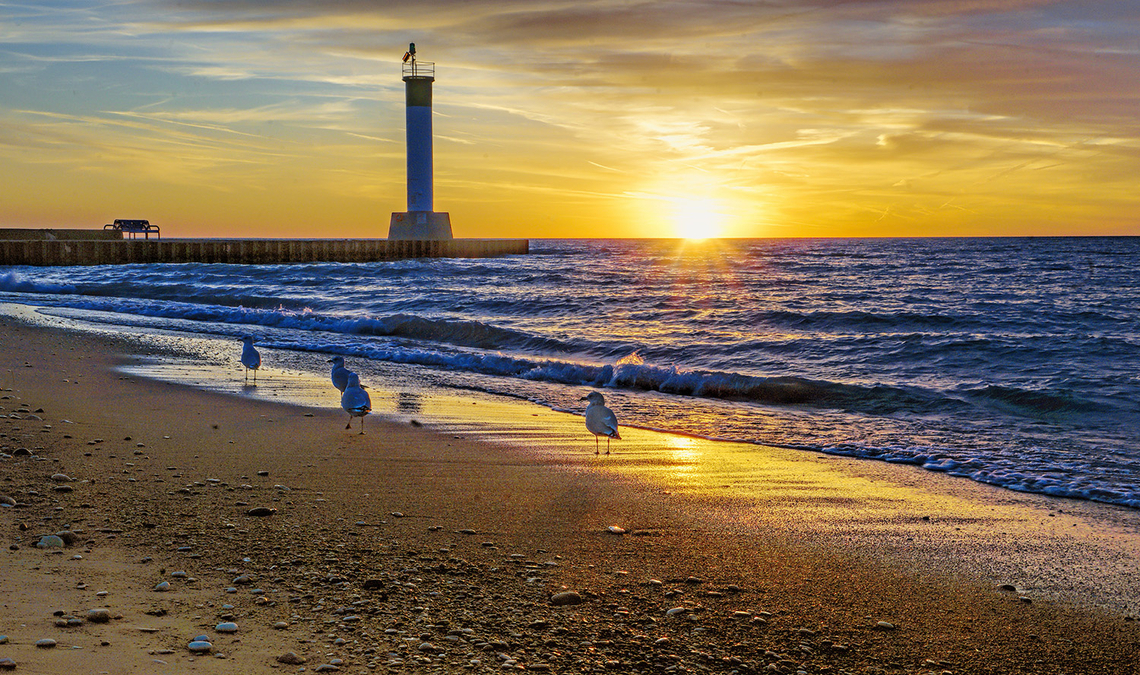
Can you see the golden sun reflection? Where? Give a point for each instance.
(683, 453)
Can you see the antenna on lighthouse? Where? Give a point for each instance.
(420, 221)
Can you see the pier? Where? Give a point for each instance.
(33, 247)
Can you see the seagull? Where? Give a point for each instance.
(250, 358)
(600, 420)
(355, 401)
(339, 373)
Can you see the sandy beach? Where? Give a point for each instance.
(415, 548)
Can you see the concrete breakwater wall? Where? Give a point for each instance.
(52, 235)
(247, 251)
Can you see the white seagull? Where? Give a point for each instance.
(339, 373)
(355, 401)
(250, 358)
(600, 420)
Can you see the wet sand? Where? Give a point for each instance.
(439, 548)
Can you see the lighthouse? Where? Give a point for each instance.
(421, 220)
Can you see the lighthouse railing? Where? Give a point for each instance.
(425, 69)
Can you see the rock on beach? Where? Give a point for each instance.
(50, 541)
(291, 658)
(566, 598)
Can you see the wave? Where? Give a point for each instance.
(13, 282)
(1055, 480)
(1034, 402)
(147, 285)
(860, 320)
(463, 333)
(635, 376)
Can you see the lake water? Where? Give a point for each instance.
(1014, 362)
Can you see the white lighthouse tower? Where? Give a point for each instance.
(420, 221)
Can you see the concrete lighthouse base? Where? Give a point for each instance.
(420, 225)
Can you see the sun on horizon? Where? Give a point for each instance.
(697, 218)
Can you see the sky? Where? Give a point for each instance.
(582, 118)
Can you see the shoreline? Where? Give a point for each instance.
(772, 567)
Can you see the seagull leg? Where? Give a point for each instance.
(362, 425)
(607, 445)
(349, 425)
(597, 450)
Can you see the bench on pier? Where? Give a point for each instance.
(132, 228)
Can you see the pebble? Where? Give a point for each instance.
(69, 538)
(162, 587)
(49, 541)
(566, 598)
(291, 658)
(61, 478)
(200, 646)
(885, 625)
(98, 615)
(260, 511)
(7, 664)
(675, 611)
(281, 625)
(614, 529)
(226, 627)
(46, 643)
(326, 668)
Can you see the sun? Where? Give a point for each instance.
(697, 218)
